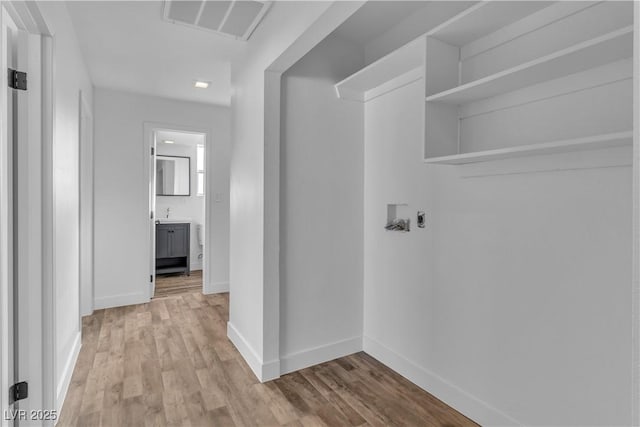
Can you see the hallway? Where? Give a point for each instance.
(169, 362)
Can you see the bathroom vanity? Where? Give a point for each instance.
(172, 247)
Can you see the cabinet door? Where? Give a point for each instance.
(179, 240)
(162, 241)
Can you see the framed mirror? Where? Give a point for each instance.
(173, 176)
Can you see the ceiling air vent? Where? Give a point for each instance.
(236, 19)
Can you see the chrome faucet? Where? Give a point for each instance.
(168, 210)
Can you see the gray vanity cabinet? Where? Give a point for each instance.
(172, 248)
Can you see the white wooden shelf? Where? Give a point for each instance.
(611, 140)
(481, 19)
(396, 69)
(610, 47)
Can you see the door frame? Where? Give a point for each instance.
(87, 204)
(635, 285)
(37, 232)
(150, 129)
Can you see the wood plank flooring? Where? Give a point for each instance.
(172, 284)
(169, 363)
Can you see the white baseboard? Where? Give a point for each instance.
(313, 356)
(195, 266)
(120, 300)
(450, 394)
(65, 379)
(216, 288)
(263, 371)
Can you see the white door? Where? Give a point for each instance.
(13, 141)
(20, 223)
(152, 214)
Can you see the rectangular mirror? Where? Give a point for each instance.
(173, 176)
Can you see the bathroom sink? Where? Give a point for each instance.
(172, 220)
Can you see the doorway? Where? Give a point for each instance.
(179, 211)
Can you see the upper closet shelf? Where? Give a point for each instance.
(589, 54)
(396, 69)
(483, 18)
(611, 140)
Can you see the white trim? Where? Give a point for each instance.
(149, 145)
(270, 370)
(314, 356)
(6, 243)
(635, 285)
(120, 300)
(215, 288)
(30, 237)
(48, 226)
(86, 191)
(264, 371)
(67, 372)
(467, 404)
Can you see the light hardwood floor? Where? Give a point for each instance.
(172, 284)
(170, 363)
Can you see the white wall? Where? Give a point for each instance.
(255, 335)
(413, 26)
(513, 304)
(321, 202)
(184, 206)
(121, 190)
(70, 77)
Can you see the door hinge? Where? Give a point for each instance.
(153, 151)
(151, 278)
(151, 215)
(17, 80)
(18, 391)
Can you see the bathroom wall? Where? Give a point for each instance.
(184, 206)
(122, 190)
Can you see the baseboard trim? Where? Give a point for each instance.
(469, 405)
(216, 288)
(263, 371)
(65, 380)
(120, 300)
(313, 356)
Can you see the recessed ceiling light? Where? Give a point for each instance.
(201, 85)
(168, 141)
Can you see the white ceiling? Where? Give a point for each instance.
(374, 18)
(179, 138)
(128, 46)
